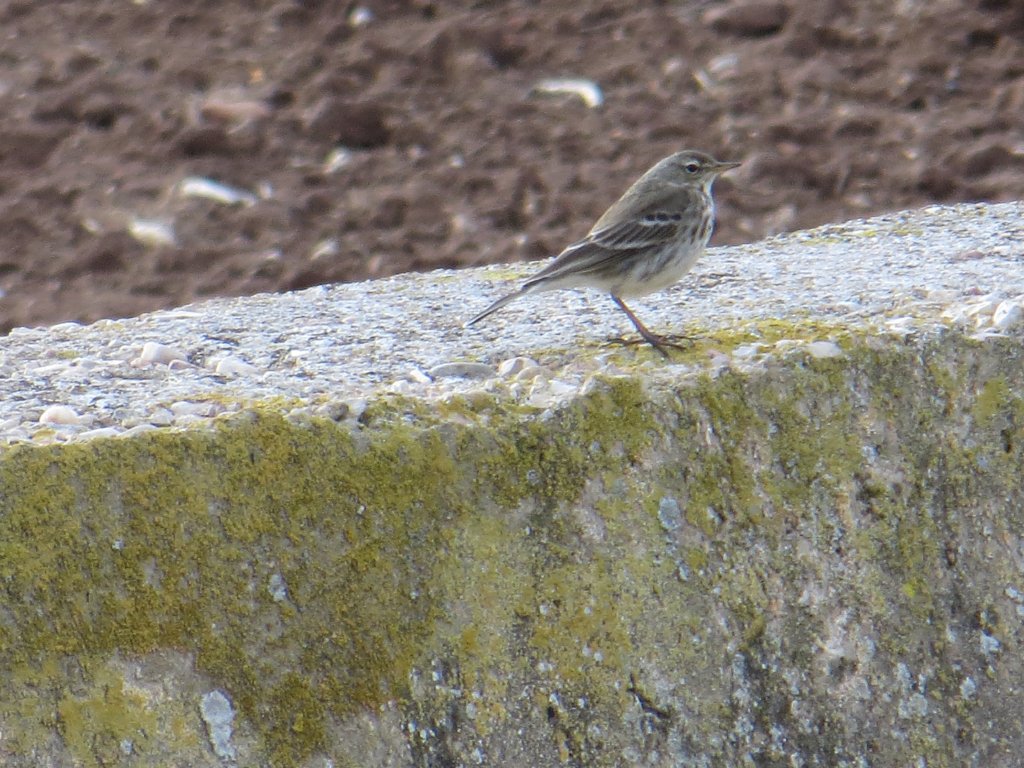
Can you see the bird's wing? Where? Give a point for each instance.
(647, 230)
(610, 244)
(623, 230)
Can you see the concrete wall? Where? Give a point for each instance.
(797, 543)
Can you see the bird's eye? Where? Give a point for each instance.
(692, 167)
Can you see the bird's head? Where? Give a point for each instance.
(690, 167)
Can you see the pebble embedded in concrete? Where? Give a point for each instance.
(60, 414)
(234, 366)
(161, 417)
(155, 352)
(218, 714)
(185, 408)
(514, 365)
(1007, 315)
(92, 434)
(335, 411)
(546, 393)
(277, 588)
(464, 370)
(669, 514)
(824, 349)
(747, 351)
(417, 376)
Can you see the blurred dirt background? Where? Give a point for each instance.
(369, 138)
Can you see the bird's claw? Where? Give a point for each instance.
(660, 343)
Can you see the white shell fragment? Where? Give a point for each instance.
(337, 159)
(196, 186)
(360, 16)
(152, 232)
(234, 107)
(325, 249)
(587, 90)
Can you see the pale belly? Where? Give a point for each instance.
(644, 279)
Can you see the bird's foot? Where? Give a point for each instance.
(661, 343)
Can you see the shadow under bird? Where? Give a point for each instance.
(645, 242)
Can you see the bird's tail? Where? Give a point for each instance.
(500, 303)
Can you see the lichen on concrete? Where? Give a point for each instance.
(808, 562)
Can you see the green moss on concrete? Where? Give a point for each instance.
(177, 523)
(764, 331)
(104, 722)
(994, 397)
(474, 546)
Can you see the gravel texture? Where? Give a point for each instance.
(326, 350)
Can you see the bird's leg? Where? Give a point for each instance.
(660, 343)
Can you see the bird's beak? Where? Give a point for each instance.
(723, 167)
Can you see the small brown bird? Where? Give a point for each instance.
(645, 242)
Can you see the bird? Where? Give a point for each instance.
(645, 242)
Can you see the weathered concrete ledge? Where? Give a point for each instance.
(334, 528)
